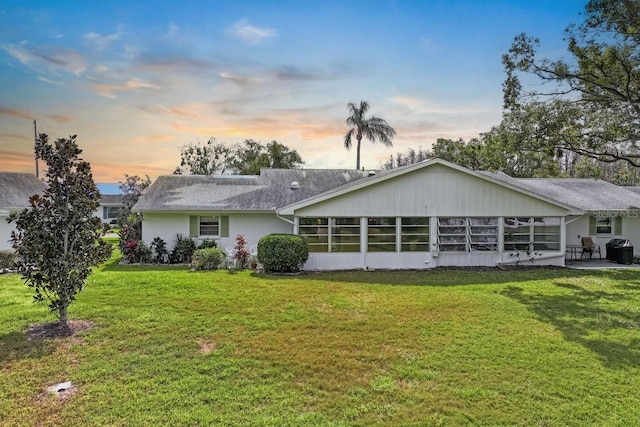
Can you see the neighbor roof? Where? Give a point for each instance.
(584, 193)
(17, 188)
(112, 199)
(268, 191)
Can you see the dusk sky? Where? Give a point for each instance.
(135, 80)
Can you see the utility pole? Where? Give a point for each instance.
(35, 140)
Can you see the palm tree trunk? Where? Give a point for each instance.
(358, 155)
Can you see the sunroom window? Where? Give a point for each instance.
(467, 234)
(345, 235)
(316, 230)
(414, 234)
(532, 234)
(381, 235)
(331, 234)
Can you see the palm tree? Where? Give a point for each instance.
(374, 128)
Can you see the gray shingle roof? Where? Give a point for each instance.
(111, 199)
(16, 188)
(271, 189)
(583, 193)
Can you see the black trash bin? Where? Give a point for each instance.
(620, 251)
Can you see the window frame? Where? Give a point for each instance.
(217, 225)
(107, 212)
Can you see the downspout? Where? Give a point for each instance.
(282, 218)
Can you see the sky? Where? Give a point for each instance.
(137, 80)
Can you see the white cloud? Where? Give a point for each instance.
(54, 59)
(101, 42)
(251, 34)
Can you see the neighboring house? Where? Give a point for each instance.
(15, 191)
(110, 205)
(425, 215)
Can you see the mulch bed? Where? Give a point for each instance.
(56, 330)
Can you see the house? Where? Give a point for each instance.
(110, 205)
(425, 215)
(15, 191)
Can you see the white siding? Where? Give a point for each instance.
(251, 226)
(434, 191)
(164, 225)
(630, 230)
(5, 231)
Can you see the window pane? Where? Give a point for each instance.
(209, 226)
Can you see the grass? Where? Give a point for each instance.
(174, 347)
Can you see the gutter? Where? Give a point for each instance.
(282, 218)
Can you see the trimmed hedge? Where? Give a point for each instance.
(283, 253)
(208, 259)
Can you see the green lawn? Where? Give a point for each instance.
(174, 347)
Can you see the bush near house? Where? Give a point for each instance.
(282, 253)
(208, 259)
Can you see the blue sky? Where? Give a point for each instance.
(137, 80)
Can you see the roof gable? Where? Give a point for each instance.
(395, 173)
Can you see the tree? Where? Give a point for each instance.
(57, 239)
(131, 224)
(131, 189)
(373, 128)
(243, 159)
(590, 104)
(251, 156)
(211, 158)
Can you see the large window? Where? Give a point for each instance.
(381, 235)
(110, 212)
(316, 230)
(345, 235)
(532, 234)
(414, 234)
(331, 234)
(209, 226)
(467, 234)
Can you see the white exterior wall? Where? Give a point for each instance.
(251, 226)
(5, 231)
(630, 230)
(164, 225)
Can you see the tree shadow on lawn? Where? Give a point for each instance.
(594, 319)
(16, 345)
(448, 277)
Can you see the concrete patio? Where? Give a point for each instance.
(596, 264)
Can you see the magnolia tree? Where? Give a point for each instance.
(57, 239)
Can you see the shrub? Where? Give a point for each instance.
(182, 250)
(208, 243)
(241, 254)
(137, 251)
(160, 253)
(282, 253)
(8, 259)
(208, 259)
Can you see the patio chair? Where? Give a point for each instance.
(588, 247)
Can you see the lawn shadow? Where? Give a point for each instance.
(438, 277)
(16, 345)
(593, 319)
